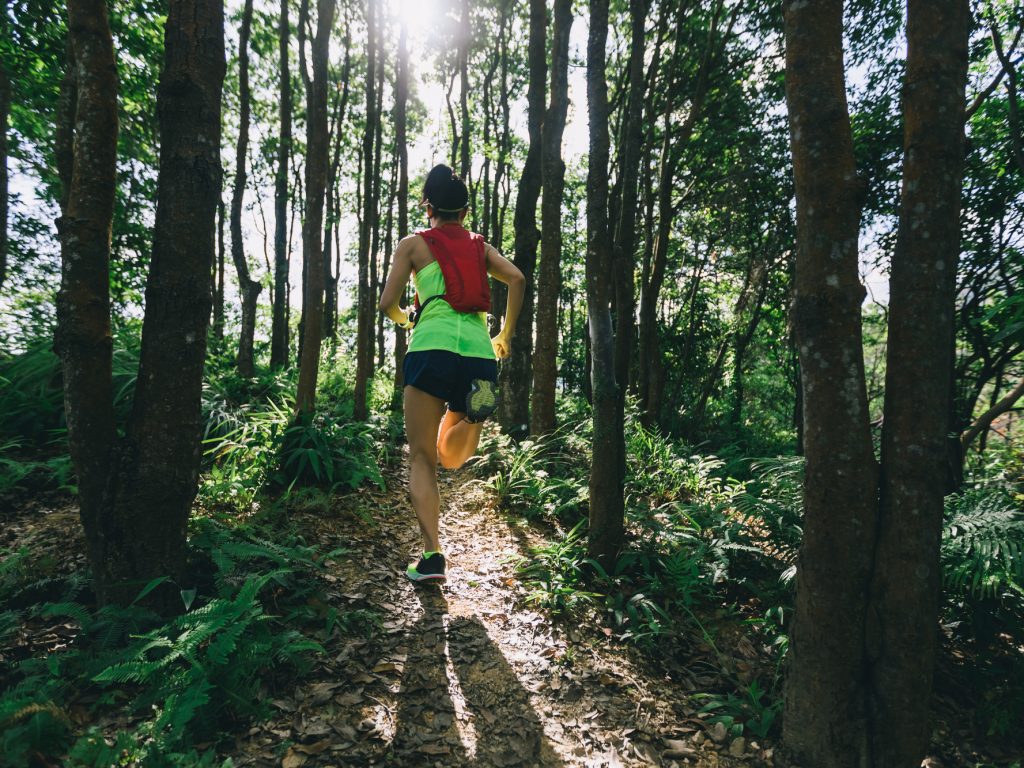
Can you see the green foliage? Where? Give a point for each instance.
(983, 555)
(183, 680)
(754, 711)
(556, 573)
(543, 477)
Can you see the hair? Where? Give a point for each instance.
(445, 192)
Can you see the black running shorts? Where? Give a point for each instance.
(446, 375)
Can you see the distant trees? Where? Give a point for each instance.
(136, 493)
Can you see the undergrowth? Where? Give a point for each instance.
(172, 686)
(699, 542)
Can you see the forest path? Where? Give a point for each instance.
(466, 673)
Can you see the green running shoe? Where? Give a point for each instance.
(481, 401)
(429, 568)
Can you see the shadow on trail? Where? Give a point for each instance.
(498, 726)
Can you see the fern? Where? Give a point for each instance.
(983, 544)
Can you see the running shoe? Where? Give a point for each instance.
(481, 401)
(429, 568)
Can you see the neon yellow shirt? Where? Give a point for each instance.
(441, 327)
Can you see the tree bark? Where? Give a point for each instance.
(279, 323)
(332, 273)
(364, 330)
(250, 289)
(160, 461)
(312, 227)
(401, 118)
(904, 609)
(624, 264)
(5, 109)
(825, 718)
(465, 35)
(549, 282)
(499, 292)
(87, 142)
(516, 372)
(606, 491)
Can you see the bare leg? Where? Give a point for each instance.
(422, 416)
(458, 440)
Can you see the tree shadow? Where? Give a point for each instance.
(482, 717)
(425, 720)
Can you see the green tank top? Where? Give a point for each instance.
(441, 327)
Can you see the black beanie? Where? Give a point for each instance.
(445, 191)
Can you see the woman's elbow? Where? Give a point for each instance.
(518, 280)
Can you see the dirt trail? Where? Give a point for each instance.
(467, 674)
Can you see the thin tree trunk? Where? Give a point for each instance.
(549, 282)
(465, 33)
(87, 148)
(372, 316)
(312, 227)
(5, 108)
(825, 719)
(517, 370)
(250, 289)
(364, 330)
(905, 589)
(624, 264)
(332, 275)
(606, 491)
(279, 323)
(218, 293)
(401, 102)
(499, 293)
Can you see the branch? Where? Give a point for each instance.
(997, 410)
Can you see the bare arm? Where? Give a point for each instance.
(504, 270)
(398, 278)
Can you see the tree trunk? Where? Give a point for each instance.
(87, 144)
(549, 282)
(517, 370)
(250, 289)
(218, 293)
(136, 498)
(375, 319)
(465, 34)
(364, 321)
(401, 116)
(904, 605)
(160, 462)
(332, 274)
(279, 324)
(312, 227)
(606, 493)
(5, 108)
(825, 719)
(625, 229)
(499, 293)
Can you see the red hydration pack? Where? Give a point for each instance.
(460, 254)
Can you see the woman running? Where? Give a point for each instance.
(451, 358)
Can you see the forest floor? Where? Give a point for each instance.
(471, 673)
(467, 673)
